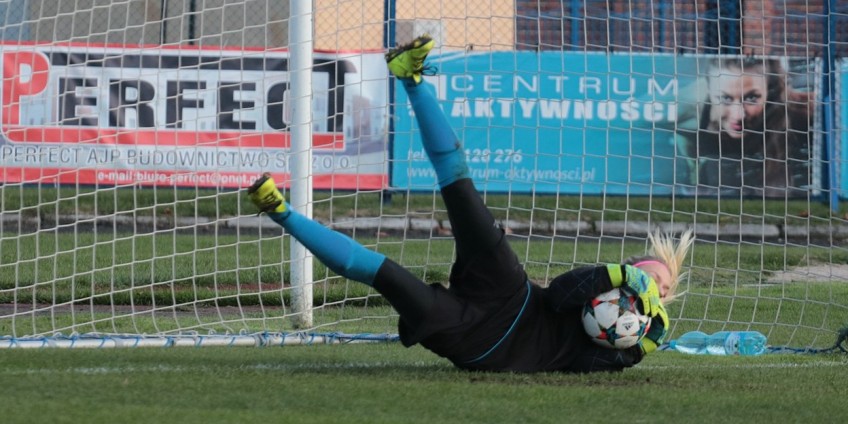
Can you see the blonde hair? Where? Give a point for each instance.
(672, 255)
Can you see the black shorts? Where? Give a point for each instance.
(486, 268)
(473, 314)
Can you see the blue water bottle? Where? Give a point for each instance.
(746, 343)
(693, 342)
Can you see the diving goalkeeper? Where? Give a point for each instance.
(491, 317)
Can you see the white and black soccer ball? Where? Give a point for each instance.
(613, 319)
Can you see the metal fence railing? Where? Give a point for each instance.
(786, 27)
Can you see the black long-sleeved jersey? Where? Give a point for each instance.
(534, 330)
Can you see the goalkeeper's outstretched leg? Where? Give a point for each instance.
(443, 147)
(474, 228)
(344, 256)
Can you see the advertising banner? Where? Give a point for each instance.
(842, 126)
(593, 123)
(185, 117)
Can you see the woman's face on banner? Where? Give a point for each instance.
(739, 100)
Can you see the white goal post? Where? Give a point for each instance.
(129, 131)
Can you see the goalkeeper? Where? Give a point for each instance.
(491, 317)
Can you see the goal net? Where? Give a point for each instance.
(131, 129)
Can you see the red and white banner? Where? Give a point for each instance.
(186, 117)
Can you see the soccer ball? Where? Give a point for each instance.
(613, 319)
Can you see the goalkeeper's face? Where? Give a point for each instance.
(739, 100)
(660, 273)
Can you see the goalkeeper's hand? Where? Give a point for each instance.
(656, 334)
(641, 284)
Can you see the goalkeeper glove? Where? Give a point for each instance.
(656, 334)
(641, 284)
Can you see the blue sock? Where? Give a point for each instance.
(440, 142)
(337, 251)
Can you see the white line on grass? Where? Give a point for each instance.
(204, 368)
(815, 364)
(351, 366)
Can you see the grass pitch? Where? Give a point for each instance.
(386, 383)
(729, 288)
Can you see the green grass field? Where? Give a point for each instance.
(386, 383)
(102, 273)
(49, 202)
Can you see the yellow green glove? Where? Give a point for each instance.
(647, 345)
(641, 284)
(656, 334)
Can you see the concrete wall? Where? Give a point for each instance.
(793, 27)
(339, 25)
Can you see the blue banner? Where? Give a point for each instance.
(593, 123)
(842, 125)
(558, 122)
